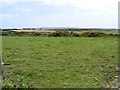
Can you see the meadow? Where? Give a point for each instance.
(60, 62)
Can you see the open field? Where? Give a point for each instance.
(39, 31)
(55, 62)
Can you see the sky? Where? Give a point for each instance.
(59, 13)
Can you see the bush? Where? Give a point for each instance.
(59, 33)
(64, 33)
(93, 34)
(8, 33)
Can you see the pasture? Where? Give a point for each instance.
(60, 62)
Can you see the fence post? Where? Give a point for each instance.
(1, 72)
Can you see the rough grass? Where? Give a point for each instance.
(59, 62)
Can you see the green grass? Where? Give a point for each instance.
(59, 62)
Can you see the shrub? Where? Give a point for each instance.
(59, 33)
(93, 34)
(8, 33)
(64, 33)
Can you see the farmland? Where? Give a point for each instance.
(42, 31)
(59, 62)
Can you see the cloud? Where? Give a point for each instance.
(89, 12)
(6, 15)
(84, 4)
(90, 5)
(95, 6)
(23, 10)
(8, 2)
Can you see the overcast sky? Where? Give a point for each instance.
(59, 13)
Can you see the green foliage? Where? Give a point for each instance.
(93, 34)
(62, 33)
(7, 85)
(14, 33)
(28, 33)
(8, 33)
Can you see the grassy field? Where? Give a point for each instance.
(59, 62)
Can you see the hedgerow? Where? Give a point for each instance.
(59, 34)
